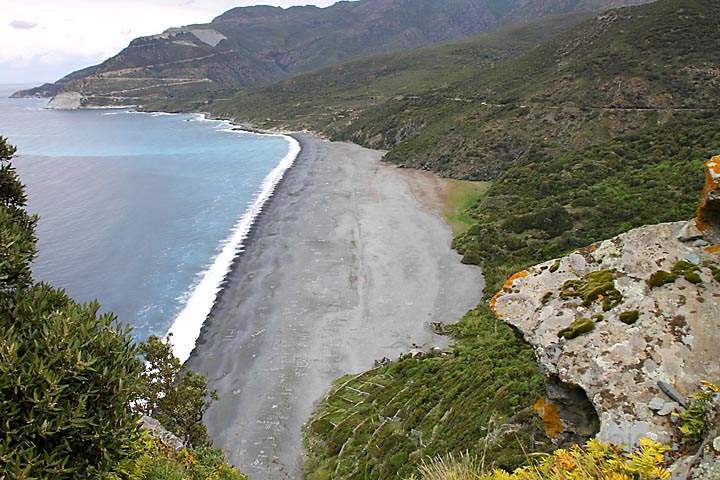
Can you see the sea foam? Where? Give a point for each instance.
(187, 326)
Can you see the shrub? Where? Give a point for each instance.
(67, 379)
(153, 460)
(594, 461)
(17, 236)
(692, 421)
(177, 398)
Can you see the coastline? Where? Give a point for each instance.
(187, 326)
(343, 266)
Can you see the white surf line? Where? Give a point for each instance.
(187, 326)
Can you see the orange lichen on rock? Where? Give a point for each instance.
(548, 412)
(507, 286)
(708, 213)
(713, 249)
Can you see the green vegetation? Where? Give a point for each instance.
(594, 286)
(67, 377)
(660, 278)
(649, 177)
(715, 270)
(67, 374)
(594, 461)
(577, 328)
(178, 399)
(692, 421)
(460, 197)
(681, 268)
(687, 270)
(629, 317)
(478, 397)
(153, 460)
(72, 383)
(332, 99)
(602, 129)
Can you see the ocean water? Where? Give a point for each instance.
(143, 212)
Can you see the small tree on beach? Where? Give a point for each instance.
(177, 398)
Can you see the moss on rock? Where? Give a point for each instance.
(660, 278)
(688, 270)
(715, 272)
(577, 328)
(630, 317)
(599, 285)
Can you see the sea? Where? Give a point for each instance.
(144, 212)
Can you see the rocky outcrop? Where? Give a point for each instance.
(634, 321)
(155, 429)
(66, 101)
(708, 215)
(597, 320)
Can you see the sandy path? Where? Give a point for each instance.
(346, 266)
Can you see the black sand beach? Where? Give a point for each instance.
(346, 265)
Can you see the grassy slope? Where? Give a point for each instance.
(382, 423)
(459, 198)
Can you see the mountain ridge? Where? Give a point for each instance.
(252, 46)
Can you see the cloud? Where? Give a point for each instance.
(22, 25)
(49, 38)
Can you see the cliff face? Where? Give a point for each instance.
(251, 46)
(634, 321)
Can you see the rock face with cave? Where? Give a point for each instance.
(634, 321)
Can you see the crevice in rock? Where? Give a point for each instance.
(577, 413)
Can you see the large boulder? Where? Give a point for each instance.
(634, 321)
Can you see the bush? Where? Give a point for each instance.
(692, 422)
(17, 236)
(154, 460)
(175, 397)
(67, 379)
(596, 461)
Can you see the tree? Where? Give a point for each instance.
(68, 375)
(17, 227)
(177, 398)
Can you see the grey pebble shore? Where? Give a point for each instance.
(345, 266)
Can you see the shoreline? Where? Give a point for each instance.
(188, 324)
(344, 266)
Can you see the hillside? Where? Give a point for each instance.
(249, 46)
(573, 163)
(328, 99)
(618, 73)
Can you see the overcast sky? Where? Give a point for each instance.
(42, 40)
